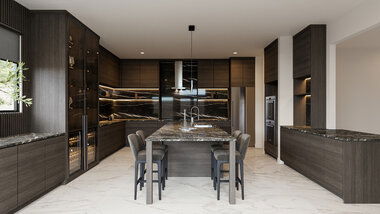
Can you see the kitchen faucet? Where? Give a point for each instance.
(191, 114)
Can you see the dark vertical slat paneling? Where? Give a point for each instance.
(17, 17)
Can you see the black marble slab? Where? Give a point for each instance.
(338, 134)
(177, 132)
(26, 138)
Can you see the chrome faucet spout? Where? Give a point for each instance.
(191, 112)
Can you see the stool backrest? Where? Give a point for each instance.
(135, 144)
(244, 142)
(141, 134)
(237, 134)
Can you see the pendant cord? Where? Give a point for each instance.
(191, 55)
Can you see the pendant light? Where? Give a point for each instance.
(191, 30)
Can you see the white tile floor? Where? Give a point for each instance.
(270, 188)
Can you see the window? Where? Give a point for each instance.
(9, 55)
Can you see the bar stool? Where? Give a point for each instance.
(236, 134)
(139, 155)
(222, 157)
(156, 146)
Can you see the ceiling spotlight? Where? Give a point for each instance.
(234, 53)
(142, 52)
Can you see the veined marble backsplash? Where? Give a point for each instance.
(144, 104)
(132, 104)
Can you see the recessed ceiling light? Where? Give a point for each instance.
(142, 52)
(234, 53)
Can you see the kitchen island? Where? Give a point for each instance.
(342, 161)
(202, 134)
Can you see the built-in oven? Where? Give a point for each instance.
(270, 132)
(270, 108)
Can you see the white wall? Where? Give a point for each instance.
(357, 89)
(363, 18)
(285, 85)
(259, 101)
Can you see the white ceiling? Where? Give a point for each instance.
(159, 27)
(366, 40)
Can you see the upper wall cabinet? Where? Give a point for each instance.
(213, 73)
(109, 68)
(271, 62)
(140, 73)
(309, 51)
(242, 72)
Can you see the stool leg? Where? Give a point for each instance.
(142, 174)
(218, 168)
(136, 183)
(166, 165)
(212, 165)
(237, 175)
(163, 174)
(159, 178)
(242, 179)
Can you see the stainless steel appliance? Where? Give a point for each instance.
(270, 108)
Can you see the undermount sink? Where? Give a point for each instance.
(203, 126)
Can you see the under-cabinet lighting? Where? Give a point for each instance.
(212, 100)
(307, 95)
(307, 79)
(214, 89)
(128, 100)
(129, 89)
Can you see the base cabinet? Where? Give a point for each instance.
(8, 179)
(30, 170)
(111, 138)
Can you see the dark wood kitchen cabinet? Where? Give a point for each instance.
(205, 73)
(221, 73)
(140, 73)
(213, 73)
(8, 179)
(271, 62)
(55, 161)
(111, 138)
(242, 72)
(109, 68)
(31, 171)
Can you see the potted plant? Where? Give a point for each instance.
(11, 75)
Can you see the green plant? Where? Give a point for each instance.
(11, 75)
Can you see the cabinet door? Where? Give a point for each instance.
(271, 62)
(75, 73)
(109, 70)
(55, 161)
(111, 138)
(236, 73)
(249, 72)
(91, 77)
(130, 73)
(8, 179)
(302, 54)
(149, 70)
(31, 171)
(221, 73)
(205, 74)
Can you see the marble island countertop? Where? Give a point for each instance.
(177, 132)
(25, 138)
(337, 134)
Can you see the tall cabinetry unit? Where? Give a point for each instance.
(271, 92)
(309, 73)
(66, 98)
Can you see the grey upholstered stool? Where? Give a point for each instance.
(236, 134)
(139, 154)
(222, 157)
(156, 146)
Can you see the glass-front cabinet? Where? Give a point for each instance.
(75, 152)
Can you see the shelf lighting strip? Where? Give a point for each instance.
(129, 100)
(130, 89)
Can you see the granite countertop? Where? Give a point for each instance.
(176, 132)
(337, 134)
(26, 138)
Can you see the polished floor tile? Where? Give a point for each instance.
(270, 188)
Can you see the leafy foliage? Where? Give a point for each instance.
(11, 75)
